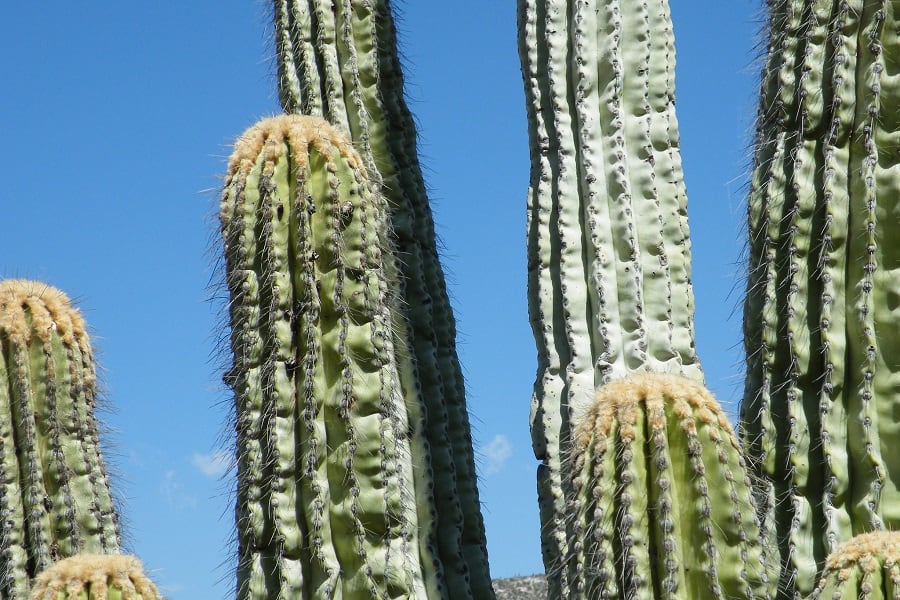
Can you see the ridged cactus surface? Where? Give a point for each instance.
(819, 415)
(661, 504)
(609, 279)
(334, 499)
(95, 577)
(339, 60)
(55, 499)
(866, 567)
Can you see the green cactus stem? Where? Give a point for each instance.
(609, 282)
(661, 503)
(55, 499)
(819, 414)
(95, 577)
(338, 60)
(334, 495)
(866, 567)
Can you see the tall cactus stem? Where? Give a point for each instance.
(608, 245)
(821, 384)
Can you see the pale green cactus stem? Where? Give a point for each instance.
(866, 567)
(332, 499)
(819, 415)
(661, 504)
(338, 59)
(608, 246)
(55, 499)
(95, 577)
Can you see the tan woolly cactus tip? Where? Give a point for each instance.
(619, 401)
(868, 550)
(31, 308)
(301, 132)
(97, 577)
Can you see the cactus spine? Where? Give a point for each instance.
(823, 382)
(608, 245)
(866, 567)
(95, 577)
(338, 60)
(661, 502)
(55, 499)
(329, 503)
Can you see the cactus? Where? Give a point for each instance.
(95, 577)
(608, 246)
(334, 499)
(338, 60)
(866, 567)
(55, 499)
(661, 504)
(818, 416)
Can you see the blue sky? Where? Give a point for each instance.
(116, 121)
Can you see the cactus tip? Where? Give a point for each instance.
(92, 575)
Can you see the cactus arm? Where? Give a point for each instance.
(865, 566)
(55, 499)
(329, 500)
(662, 503)
(339, 60)
(95, 577)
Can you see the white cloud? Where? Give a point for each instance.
(212, 464)
(496, 453)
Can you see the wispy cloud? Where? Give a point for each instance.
(173, 492)
(212, 464)
(496, 453)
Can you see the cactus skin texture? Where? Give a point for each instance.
(819, 414)
(338, 60)
(329, 504)
(55, 499)
(866, 567)
(609, 282)
(95, 577)
(661, 503)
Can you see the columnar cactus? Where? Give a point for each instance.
(338, 60)
(608, 246)
(661, 504)
(866, 567)
(819, 415)
(55, 499)
(95, 577)
(334, 495)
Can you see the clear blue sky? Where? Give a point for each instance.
(116, 120)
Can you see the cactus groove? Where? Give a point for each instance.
(55, 499)
(818, 417)
(329, 503)
(608, 246)
(338, 60)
